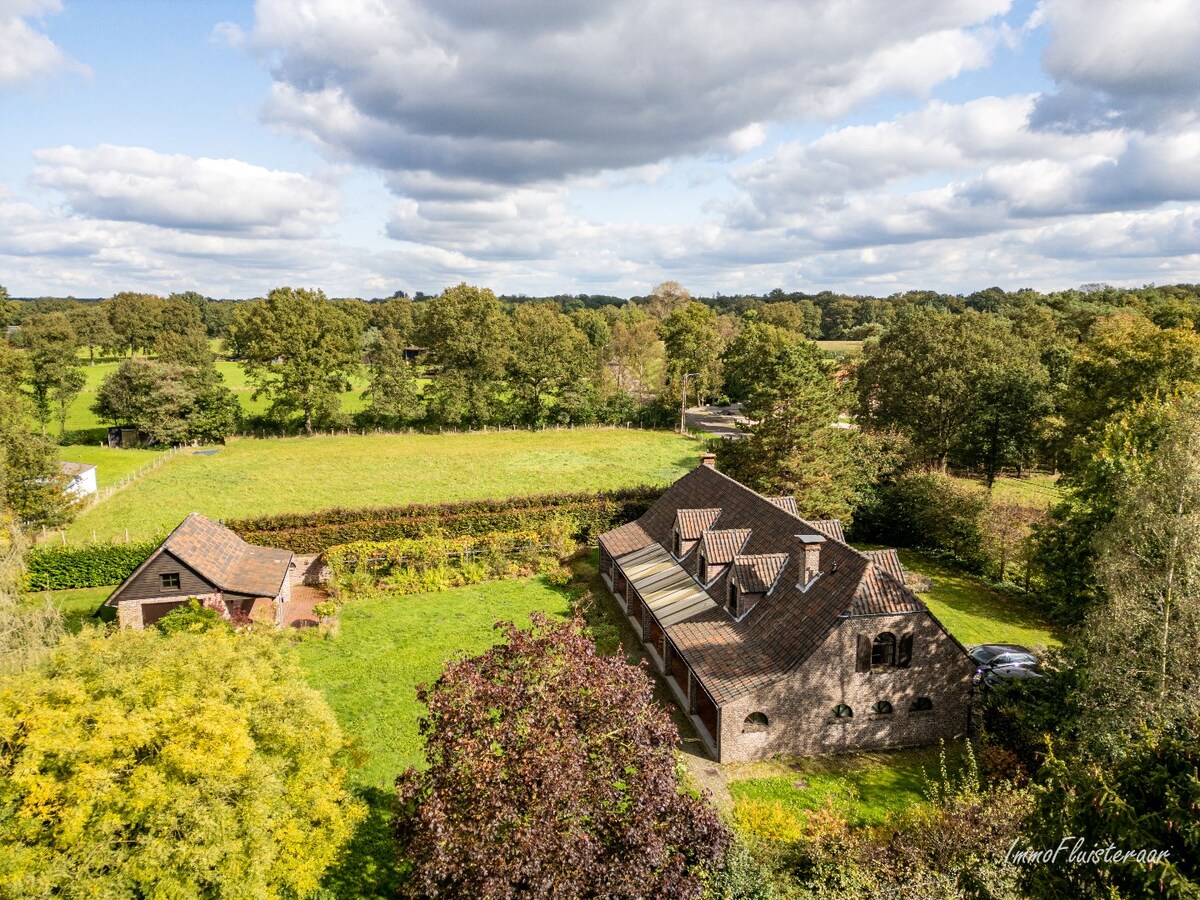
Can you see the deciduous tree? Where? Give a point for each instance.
(196, 765)
(54, 378)
(693, 346)
(553, 356)
(470, 343)
(393, 399)
(299, 349)
(135, 318)
(551, 773)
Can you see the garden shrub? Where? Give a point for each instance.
(193, 617)
(436, 562)
(55, 568)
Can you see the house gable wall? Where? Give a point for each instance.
(147, 583)
(799, 706)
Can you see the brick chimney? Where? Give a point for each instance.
(810, 558)
(708, 459)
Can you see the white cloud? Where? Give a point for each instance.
(525, 94)
(29, 53)
(176, 191)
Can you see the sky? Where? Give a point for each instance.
(545, 147)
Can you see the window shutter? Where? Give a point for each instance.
(863, 663)
(904, 656)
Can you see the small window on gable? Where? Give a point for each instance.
(703, 569)
(883, 651)
(882, 708)
(733, 592)
(922, 704)
(842, 711)
(755, 723)
(677, 543)
(169, 581)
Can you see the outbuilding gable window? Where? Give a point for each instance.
(755, 723)
(169, 581)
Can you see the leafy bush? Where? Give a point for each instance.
(191, 617)
(96, 565)
(194, 765)
(316, 532)
(928, 511)
(551, 772)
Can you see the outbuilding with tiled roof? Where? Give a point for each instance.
(205, 560)
(774, 633)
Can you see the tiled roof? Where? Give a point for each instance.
(626, 539)
(72, 469)
(733, 658)
(882, 590)
(831, 528)
(720, 547)
(756, 574)
(694, 522)
(786, 503)
(220, 556)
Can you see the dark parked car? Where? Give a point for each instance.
(992, 677)
(991, 656)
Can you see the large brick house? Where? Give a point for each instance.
(205, 560)
(774, 634)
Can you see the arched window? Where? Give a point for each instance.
(677, 543)
(733, 596)
(842, 711)
(703, 569)
(755, 723)
(922, 704)
(883, 651)
(882, 708)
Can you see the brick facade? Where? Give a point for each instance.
(799, 706)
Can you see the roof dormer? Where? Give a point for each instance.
(717, 550)
(690, 524)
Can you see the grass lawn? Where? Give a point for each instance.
(840, 349)
(390, 644)
(111, 465)
(76, 605)
(975, 613)
(1038, 491)
(865, 788)
(251, 477)
(369, 673)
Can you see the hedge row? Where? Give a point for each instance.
(316, 532)
(437, 562)
(97, 565)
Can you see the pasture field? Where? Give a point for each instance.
(81, 418)
(111, 465)
(256, 477)
(1039, 491)
(76, 606)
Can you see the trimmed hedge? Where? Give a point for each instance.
(592, 514)
(96, 565)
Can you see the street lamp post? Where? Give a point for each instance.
(683, 402)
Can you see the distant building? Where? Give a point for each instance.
(775, 635)
(81, 479)
(205, 560)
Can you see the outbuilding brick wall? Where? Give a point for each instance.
(799, 707)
